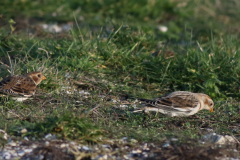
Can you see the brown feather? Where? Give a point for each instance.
(24, 85)
(178, 100)
(179, 103)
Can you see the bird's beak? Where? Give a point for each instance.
(43, 78)
(211, 110)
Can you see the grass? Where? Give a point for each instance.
(118, 55)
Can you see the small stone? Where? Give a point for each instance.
(145, 154)
(125, 138)
(123, 106)
(41, 157)
(12, 151)
(53, 28)
(20, 153)
(84, 93)
(134, 106)
(219, 139)
(106, 146)
(85, 148)
(26, 138)
(162, 28)
(173, 139)
(73, 143)
(63, 145)
(50, 136)
(7, 155)
(166, 144)
(137, 151)
(34, 146)
(12, 144)
(145, 147)
(24, 130)
(29, 150)
(47, 143)
(114, 101)
(67, 75)
(68, 92)
(104, 157)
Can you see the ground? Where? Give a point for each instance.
(100, 56)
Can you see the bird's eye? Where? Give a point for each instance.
(39, 75)
(211, 104)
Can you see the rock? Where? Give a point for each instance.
(173, 139)
(7, 155)
(86, 148)
(20, 153)
(26, 138)
(12, 144)
(50, 137)
(219, 139)
(167, 144)
(24, 130)
(162, 28)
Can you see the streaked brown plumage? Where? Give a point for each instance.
(180, 103)
(21, 85)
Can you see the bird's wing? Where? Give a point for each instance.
(182, 101)
(18, 85)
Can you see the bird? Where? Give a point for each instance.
(21, 87)
(179, 104)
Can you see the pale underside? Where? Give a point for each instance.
(15, 97)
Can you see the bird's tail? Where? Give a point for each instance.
(147, 101)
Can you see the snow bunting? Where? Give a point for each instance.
(20, 87)
(180, 103)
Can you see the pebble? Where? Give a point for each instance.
(24, 149)
(24, 130)
(84, 93)
(114, 101)
(50, 136)
(34, 146)
(47, 143)
(7, 155)
(219, 139)
(12, 144)
(63, 145)
(28, 150)
(85, 148)
(137, 151)
(106, 146)
(20, 153)
(26, 138)
(173, 139)
(145, 146)
(166, 144)
(162, 28)
(122, 106)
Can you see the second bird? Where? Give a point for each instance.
(180, 103)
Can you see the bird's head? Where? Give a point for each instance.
(37, 77)
(208, 103)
